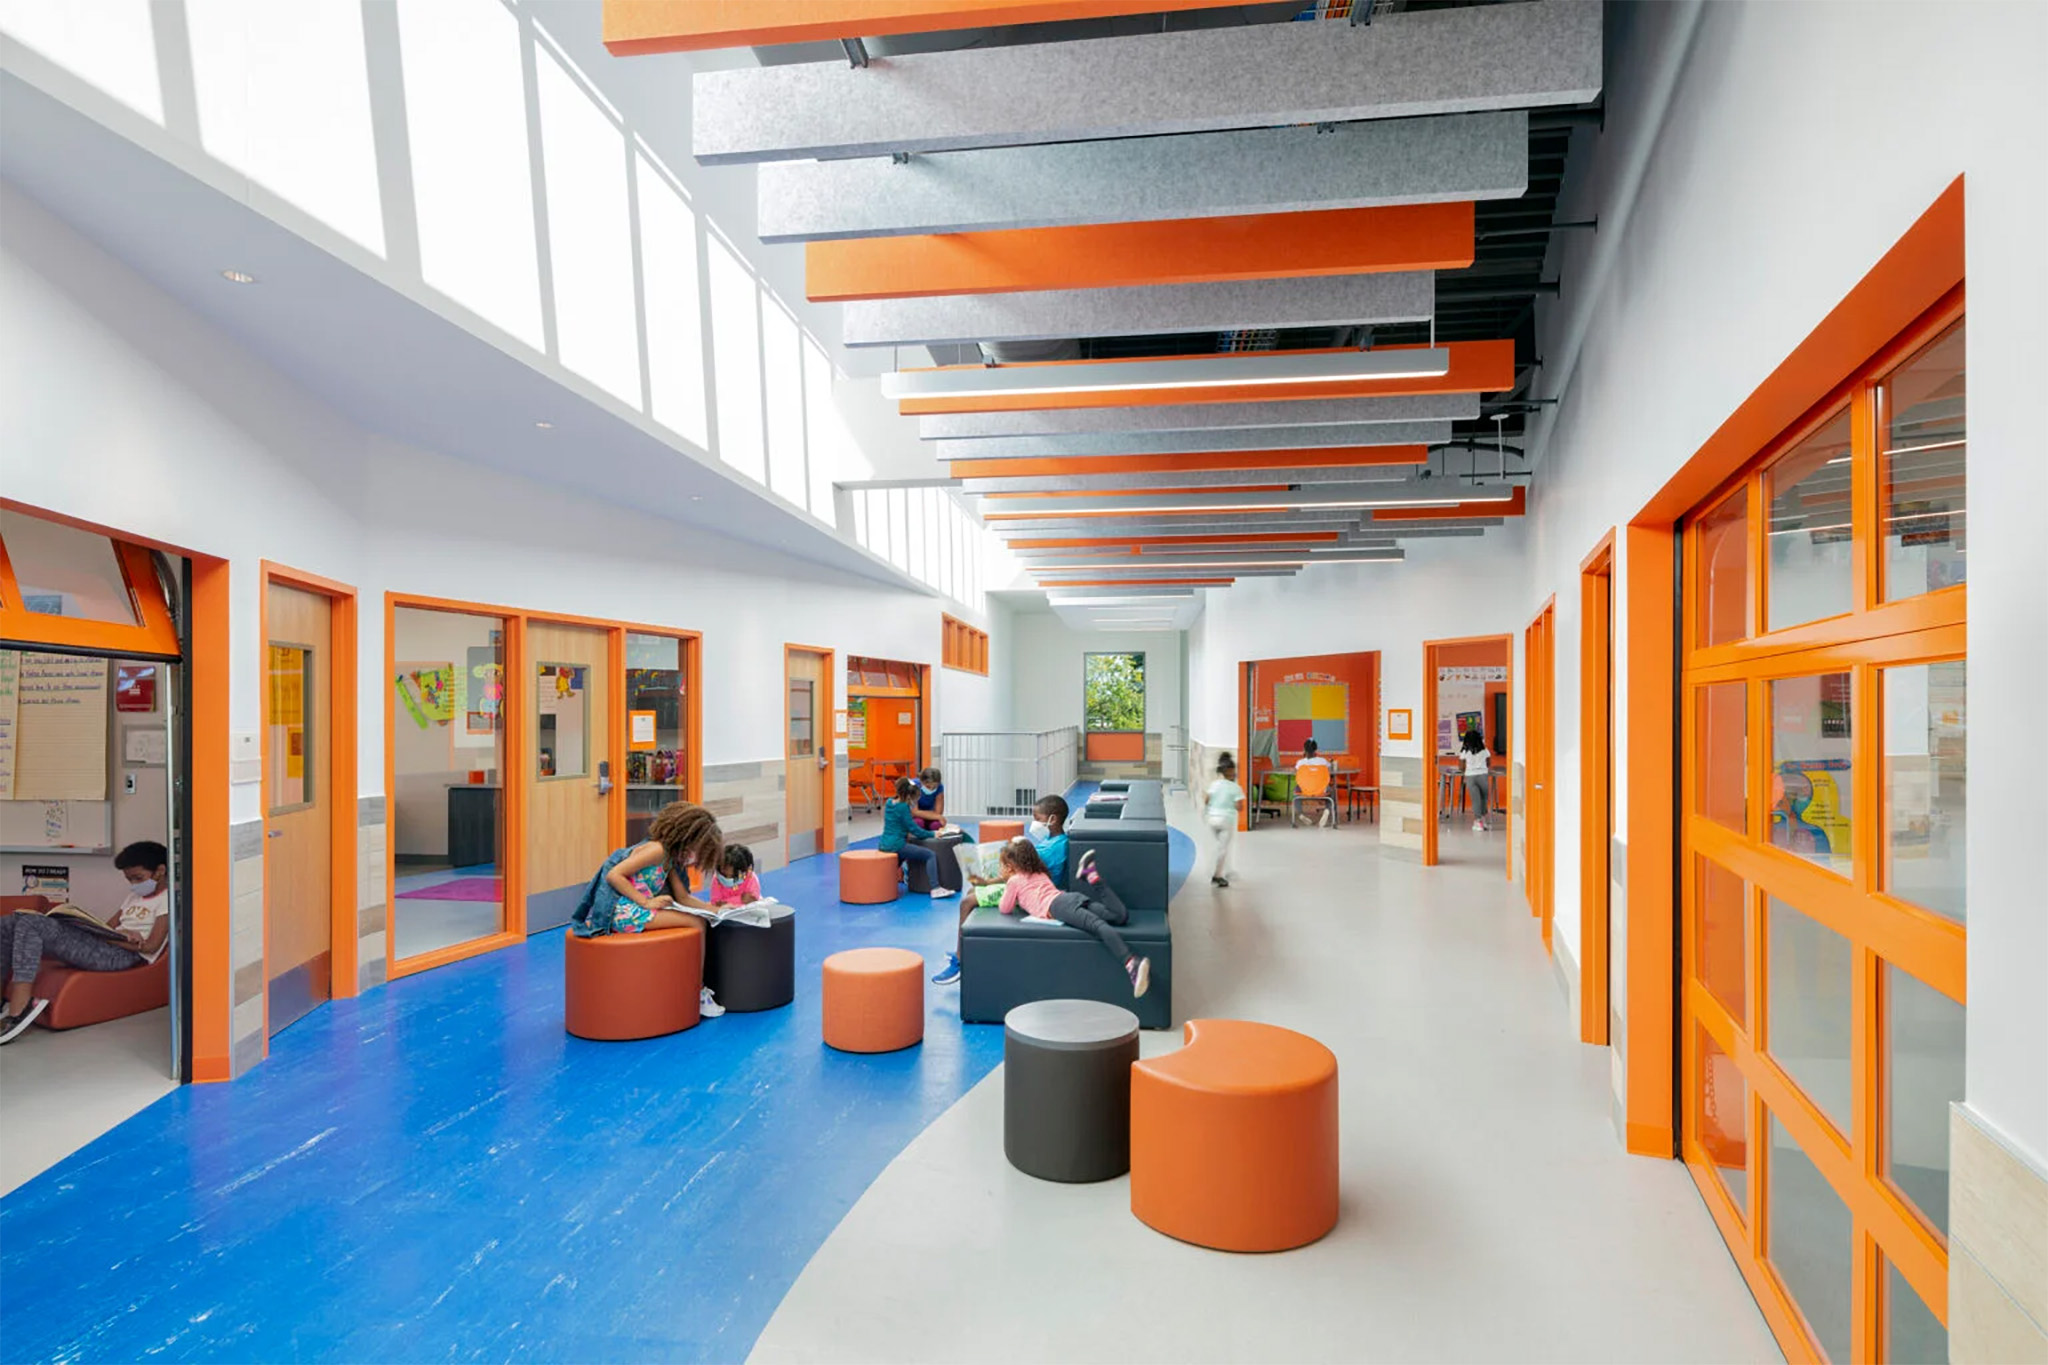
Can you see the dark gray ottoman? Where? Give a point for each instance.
(945, 865)
(1067, 1089)
(750, 968)
(1009, 960)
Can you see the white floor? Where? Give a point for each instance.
(1489, 1212)
(59, 1091)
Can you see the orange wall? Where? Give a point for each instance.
(1361, 671)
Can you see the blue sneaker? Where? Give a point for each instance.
(949, 973)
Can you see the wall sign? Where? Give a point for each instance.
(1401, 723)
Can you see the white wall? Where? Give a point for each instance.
(120, 407)
(970, 702)
(1048, 662)
(1447, 587)
(1768, 193)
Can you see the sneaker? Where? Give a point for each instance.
(1479, 827)
(14, 1025)
(1218, 881)
(940, 893)
(707, 1004)
(949, 973)
(1085, 869)
(1141, 975)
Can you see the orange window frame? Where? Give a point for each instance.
(1873, 636)
(155, 635)
(963, 647)
(518, 688)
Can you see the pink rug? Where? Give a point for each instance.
(460, 889)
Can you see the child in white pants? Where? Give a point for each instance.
(1223, 798)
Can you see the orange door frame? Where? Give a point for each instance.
(209, 893)
(1596, 785)
(821, 730)
(513, 794)
(343, 915)
(1539, 766)
(1432, 784)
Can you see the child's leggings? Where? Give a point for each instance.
(1095, 912)
(1224, 827)
(917, 853)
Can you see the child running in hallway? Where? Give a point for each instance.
(1223, 799)
(902, 837)
(1096, 910)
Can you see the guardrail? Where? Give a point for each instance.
(1004, 772)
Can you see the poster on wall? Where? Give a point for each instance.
(1468, 721)
(857, 723)
(1401, 723)
(426, 692)
(48, 880)
(135, 688)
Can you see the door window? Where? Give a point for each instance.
(289, 677)
(561, 697)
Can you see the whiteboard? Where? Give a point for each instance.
(82, 825)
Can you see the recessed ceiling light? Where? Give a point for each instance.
(237, 277)
(544, 426)
(696, 497)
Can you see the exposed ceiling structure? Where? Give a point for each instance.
(1211, 294)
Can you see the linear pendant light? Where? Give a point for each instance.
(1411, 493)
(1187, 372)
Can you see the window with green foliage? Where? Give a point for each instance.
(1113, 691)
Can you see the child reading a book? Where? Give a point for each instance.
(133, 935)
(734, 883)
(902, 837)
(1047, 834)
(1095, 909)
(640, 888)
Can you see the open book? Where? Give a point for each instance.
(758, 914)
(84, 919)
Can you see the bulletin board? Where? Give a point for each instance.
(1320, 711)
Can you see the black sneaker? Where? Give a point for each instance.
(1083, 868)
(14, 1025)
(1218, 881)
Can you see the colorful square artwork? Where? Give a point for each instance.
(1319, 711)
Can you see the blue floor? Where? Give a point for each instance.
(435, 1171)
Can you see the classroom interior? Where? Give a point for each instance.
(440, 438)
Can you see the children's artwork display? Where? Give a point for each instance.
(1312, 707)
(426, 692)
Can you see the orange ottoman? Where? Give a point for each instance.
(867, 876)
(1234, 1138)
(874, 1000)
(998, 831)
(621, 986)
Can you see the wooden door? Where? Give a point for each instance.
(298, 753)
(807, 752)
(568, 766)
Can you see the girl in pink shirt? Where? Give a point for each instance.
(1097, 910)
(734, 882)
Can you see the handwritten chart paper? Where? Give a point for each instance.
(10, 673)
(60, 729)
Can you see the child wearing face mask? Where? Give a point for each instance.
(931, 800)
(133, 935)
(734, 883)
(1047, 836)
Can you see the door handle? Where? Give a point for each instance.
(272, 833)
(824, 760)
(604, 777)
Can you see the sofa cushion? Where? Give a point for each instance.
(1005, 963)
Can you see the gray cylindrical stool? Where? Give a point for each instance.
(1067, 1089)
(751, 968)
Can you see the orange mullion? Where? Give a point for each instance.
(1213, 490)
(1933, 632)
(1908, 1244)
(1905, 934)
(615, 799)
